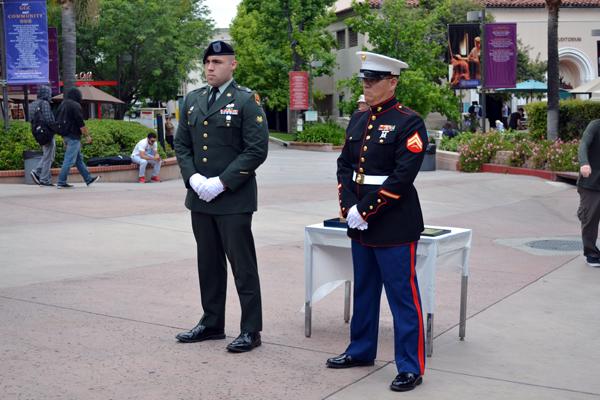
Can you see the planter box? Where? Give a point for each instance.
(116, 173)
(446, 160)
(313, 146)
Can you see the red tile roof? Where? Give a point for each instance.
(539, 3)
(516, 3)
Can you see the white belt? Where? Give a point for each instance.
(363, 179)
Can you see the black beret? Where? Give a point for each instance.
(218, 48)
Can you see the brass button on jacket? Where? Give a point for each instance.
(397, 139)
(228, 140)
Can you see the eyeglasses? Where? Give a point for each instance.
(373, 81)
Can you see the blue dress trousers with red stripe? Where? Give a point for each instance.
(387, 140)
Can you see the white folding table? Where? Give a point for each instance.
(328, 264)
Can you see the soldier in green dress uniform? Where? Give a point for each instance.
(221, 140)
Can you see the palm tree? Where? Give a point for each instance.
(71, 11)
(553, 75)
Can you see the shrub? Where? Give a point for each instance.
(563, 156)
(452, 144)
(574, 117)
(110, 138)
(328, 132)
(13, 142)
(480, 149)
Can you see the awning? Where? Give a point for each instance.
(93, 95)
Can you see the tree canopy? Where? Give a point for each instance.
(273, 37)
(147, 47)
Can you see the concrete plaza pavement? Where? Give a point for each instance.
(95, 282)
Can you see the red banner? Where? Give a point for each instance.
(298, 90)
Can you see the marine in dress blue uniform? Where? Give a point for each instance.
(382, 155)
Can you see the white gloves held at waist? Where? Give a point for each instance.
(206, 188)
(355, 221)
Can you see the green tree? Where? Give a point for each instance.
(553, 74)
(66, 14)
(147, 47)
(528, 68)
(273, 37)
(418, 36)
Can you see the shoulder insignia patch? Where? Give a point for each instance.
(257, 98)
(414, 143)
(259, 119)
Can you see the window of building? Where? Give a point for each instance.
(341, 39)
(352, 38)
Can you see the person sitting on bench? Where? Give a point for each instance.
(144, 153)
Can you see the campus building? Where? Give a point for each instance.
(578, 47)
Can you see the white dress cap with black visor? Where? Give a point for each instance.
(376, 66)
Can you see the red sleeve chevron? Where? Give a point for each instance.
(414, 143)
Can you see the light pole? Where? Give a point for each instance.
(479, 16)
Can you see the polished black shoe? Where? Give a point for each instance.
(200, 333)
(346, 361)
(245, 342)
(406, 381)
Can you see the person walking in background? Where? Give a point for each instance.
(588, 187)
(146, 152)
(505, 114)
(41, 173)
(169, 131)
(70, 119)
(221, 140)
(362, 104)
(382, 155)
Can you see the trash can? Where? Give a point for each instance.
(429, 160)
(31, 159)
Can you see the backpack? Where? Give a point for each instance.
(62, 125)
(41, 130)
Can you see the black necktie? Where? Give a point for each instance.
(213, 96)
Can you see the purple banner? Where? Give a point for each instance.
(26, 40)
(500, 52)
(53, 60)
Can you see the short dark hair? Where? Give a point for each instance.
(152, 135)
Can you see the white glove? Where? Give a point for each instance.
(355, 221)
(196, 182)
(210, 189)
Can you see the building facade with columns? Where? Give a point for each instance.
(579, 49)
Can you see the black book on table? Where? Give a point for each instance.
(341, 223)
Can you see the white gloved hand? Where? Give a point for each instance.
(355, 221)
(196, 182)
(210, 189)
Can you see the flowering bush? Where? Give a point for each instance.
(526, 152)
(478, 151)
(562, 156)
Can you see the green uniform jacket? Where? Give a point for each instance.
(229, 140)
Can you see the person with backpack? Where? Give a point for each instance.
(70, 122)
(42, 118)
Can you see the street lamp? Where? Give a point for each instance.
(479, 16)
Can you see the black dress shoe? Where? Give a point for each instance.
(245, 342)
(406, 381)
(346, 361)
(200, 333)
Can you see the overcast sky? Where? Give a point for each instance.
(222, 11)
